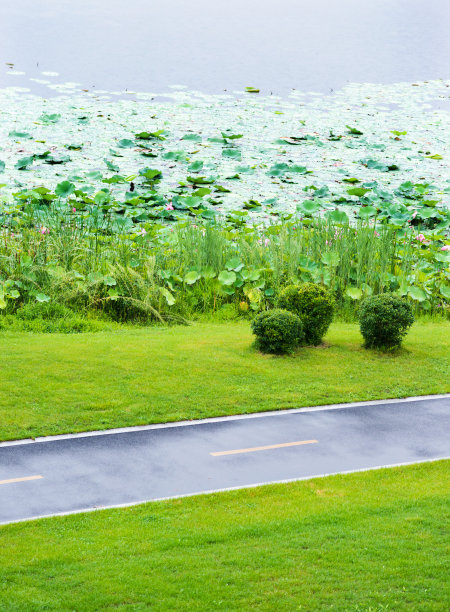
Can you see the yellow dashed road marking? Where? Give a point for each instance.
(20, 479)
(261, 448)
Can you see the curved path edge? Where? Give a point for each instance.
(224, 490)
(220, 419)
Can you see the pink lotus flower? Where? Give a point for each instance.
(446, 247)
(169, 206)
(420, 237)
(74, 210)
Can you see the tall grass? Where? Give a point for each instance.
(67, 259)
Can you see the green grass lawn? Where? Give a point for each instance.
(55, 383)
(373, 541)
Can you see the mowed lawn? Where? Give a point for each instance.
(374, 541)
(55, 383)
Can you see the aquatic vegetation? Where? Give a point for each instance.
(267, 156)
(181, 269)
(162, 209)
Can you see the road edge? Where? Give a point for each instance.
(220, 419)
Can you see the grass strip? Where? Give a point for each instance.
(366, 541)
(58, 383)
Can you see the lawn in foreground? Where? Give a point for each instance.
(365, 541)
(56, 383)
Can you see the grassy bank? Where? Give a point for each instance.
(368, 541)
(56, 383)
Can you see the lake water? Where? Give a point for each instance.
(217, 45)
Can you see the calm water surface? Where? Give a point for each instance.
(216, 45)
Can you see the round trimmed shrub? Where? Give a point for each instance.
(384, 320)
(314, 305)
(277, 331)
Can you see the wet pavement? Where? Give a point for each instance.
(79, 473)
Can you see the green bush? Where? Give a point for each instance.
(277, 331)
(313, 304)
(75, 325)
(44, 310)
(384, 320)
(49, 318)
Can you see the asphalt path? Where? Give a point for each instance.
(105, 469)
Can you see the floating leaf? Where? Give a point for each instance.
(54, 159)
(53, 118)
(282, 168)
(158, 135)
(252, 204)
(195, 166)
(125, 143)
(192, 137)
(174, 155)
(95, 175)
(111, 166)
(230, 136)
(201, 180)
(202, 191)
(300, 170)
(357, 191)
(24, 162)
(20, 135)
(245, 169)
(150, 174)
(232, 154)
(354, 131)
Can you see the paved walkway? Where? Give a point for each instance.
(76, 473)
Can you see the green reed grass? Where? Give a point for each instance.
(64, 260)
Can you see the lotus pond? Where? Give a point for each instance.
(143, 206)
